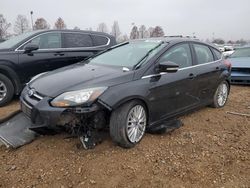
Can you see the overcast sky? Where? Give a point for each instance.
(227, 19)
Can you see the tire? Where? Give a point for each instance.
(122, 125)
(221, 95)
(6, 90)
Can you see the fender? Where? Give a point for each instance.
(9, 72)
(226, 75)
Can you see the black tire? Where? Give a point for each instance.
(118, 124)
(215, 103)
(10, 90)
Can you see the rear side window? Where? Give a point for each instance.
(217, 54)
(100, 40)
(76, 40)
(203, 54)
(179, 54)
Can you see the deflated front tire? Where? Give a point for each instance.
(128, 124)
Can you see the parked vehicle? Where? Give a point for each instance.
(29, 54)
(240, 61)
(130, 88)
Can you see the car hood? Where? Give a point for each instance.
(240, 62)
(79, 76)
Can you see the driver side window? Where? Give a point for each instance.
(47, 41)
(179, 54)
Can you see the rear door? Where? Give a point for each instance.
(171, 93)
(208, 71)
(78, 45)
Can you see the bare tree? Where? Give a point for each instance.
(89, 29)
(134, 34)
(122, 38)
(60, 24)
(142, 32)
(41, 23)
(115, 30)
(102, 27)
(77, 28)
(21, 24)
(4, 26)
(218, 41)
(150, 31)
(158, 32)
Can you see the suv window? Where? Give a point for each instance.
(203, 54)
(179, 54)
(99, 40)
(75, 40)
(47, 41)
(217, 54)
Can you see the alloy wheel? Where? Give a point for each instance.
(3, 90)
(222, 94)
(136, 123)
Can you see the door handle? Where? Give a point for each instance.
(59, 54)
(217, 68)
(191, 76)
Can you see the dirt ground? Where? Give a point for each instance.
(212, 149)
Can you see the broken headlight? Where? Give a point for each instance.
(75, 98)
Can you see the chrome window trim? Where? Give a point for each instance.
(193, 66)
(63, 49)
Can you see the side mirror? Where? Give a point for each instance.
(30, 47)
(168, 66)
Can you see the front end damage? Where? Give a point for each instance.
(39, 117)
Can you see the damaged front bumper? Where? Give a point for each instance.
(38, 109)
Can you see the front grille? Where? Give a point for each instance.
(28, 101)
(242, 70)
(26, 109)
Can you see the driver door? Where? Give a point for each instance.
(174, 92)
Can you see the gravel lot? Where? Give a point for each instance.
(212, 149)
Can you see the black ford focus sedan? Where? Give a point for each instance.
(129, 88)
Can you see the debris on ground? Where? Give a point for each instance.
(212, 149)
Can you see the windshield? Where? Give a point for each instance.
(241, 52)
(128, 55)
(15, 40)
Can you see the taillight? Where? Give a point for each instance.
(227, 63)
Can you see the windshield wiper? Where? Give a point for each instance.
(136, 66)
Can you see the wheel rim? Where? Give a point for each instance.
(222, 94)
(136, 123)
(3, 90)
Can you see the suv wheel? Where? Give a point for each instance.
(128, 124)
(221, 95)
(6, 90)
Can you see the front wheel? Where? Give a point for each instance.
(128, 124)
(221, 95)
(6, 90)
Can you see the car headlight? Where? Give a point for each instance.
(75, 98)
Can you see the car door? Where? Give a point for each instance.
(207, 70)
(79, 46)
(171, 93)
(48, 57)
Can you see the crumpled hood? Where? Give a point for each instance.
(79, 76)
(240, 62)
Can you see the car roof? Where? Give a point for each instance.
(74, 31)
(176, 39)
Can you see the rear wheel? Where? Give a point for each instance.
(128, 124)
(6, 90)
(221, 95)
